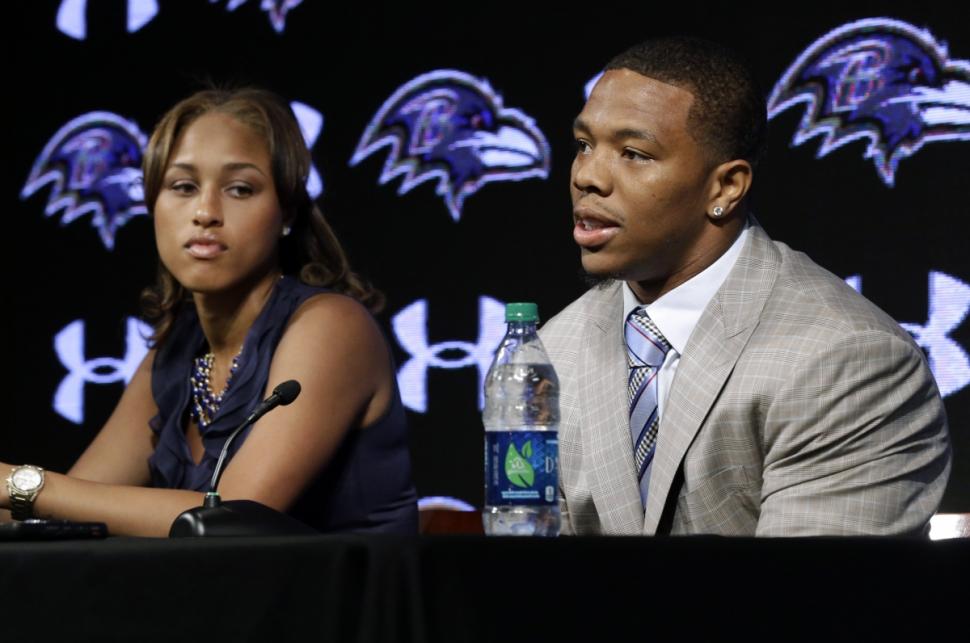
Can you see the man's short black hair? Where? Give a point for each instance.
(728, 115)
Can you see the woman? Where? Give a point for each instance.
(225, 175)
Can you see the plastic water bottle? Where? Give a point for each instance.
(521, 433)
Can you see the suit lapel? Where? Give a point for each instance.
(709, 357)
(605, 432)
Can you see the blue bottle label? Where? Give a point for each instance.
(521, 467)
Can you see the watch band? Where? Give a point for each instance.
(22, 500)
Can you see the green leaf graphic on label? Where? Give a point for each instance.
(519, 471)
(527, 449)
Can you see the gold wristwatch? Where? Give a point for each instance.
(23, 485)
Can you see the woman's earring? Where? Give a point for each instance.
(718, 212)
(286, 231)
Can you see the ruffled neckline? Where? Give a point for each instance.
(172, 460)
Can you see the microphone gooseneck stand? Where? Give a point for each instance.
(241, 517)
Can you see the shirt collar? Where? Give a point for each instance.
(677, 312)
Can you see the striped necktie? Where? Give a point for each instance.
(646, 350)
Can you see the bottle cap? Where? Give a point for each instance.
(521, 312)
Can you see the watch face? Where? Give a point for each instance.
(26, 479)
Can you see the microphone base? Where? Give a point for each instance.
(237, 518)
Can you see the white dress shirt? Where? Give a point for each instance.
(677, 312)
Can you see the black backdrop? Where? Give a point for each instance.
(513, 240)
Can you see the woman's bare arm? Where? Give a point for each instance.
(335, 349)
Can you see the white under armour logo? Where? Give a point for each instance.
(69, 346)
(949, 303)
(411, 329)
(72, 20)
(311, 124)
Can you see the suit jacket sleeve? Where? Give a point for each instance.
(855, 442)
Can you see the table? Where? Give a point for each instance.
(472, 588)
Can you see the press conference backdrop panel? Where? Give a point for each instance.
(441, 139)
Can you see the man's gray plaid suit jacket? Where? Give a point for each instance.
(798, 408)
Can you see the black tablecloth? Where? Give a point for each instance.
(467, 588)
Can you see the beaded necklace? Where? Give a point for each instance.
(205, 403)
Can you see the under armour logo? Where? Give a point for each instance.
(590, 84)
(411, 329)
(72, 21)
(311, 124)
(444, 502)
(69, 346)
(949, 303)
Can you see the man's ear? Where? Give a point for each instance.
(730, 183)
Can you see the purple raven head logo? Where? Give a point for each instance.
(452, 127)
(94, 164)
(276, 9)
(878, 79)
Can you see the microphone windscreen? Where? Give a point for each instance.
(287, 391)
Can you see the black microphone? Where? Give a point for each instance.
(281, 396)
(241, 517)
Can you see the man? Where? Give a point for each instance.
(717, 381)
